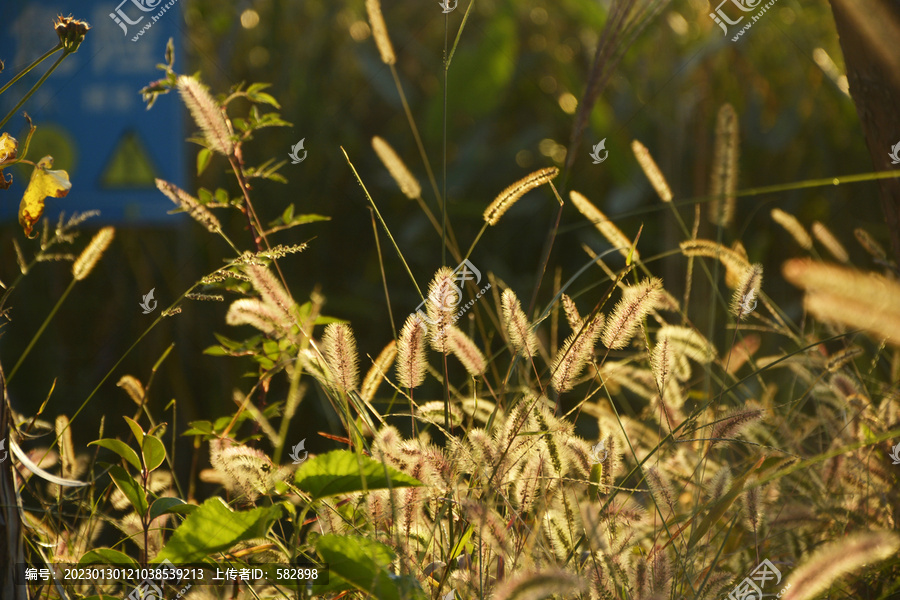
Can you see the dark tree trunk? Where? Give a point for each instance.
(869, 33)
(11, 551)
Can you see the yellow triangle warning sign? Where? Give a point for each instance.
(129, 165)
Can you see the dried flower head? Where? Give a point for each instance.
(207, 114)
(88, 258)
(71, 32)
(189, 204)
(606, 227)
(504, 201)
(521, 334)
(380, 33)
(408, 184)
(411, 352)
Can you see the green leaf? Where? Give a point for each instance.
(165, 506)
(363, 563)
(213, 527)
(203, 158)
(122, 449)
(200, 428)
(154, 452)
(338, 472)
(106, 556)
(136, 430)
(128, 486)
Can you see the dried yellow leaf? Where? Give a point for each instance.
(44, 183)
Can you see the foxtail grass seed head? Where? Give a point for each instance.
(190, 205)
(686, 341)
(743, 301)
(408, 184)
(606, 227)
(572, 315)
(651, 170)
(735, 265)
(380, 32)
(250, 311)
(839, 359)
(521, 334)
(637, 301)
(376, 373)
(207, 115)
(340, 355)
(271, 291)
(88, 258)
(827, 239)
(835, 559)
(511, 195)
(849, 297)
(443, 298)
(661, 359)
(466, 351)
(574, 354)
(790, 224)
(411, 352)
(725, 167)
(869, 244)
(133, 388)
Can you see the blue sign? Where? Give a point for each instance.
(89, 113)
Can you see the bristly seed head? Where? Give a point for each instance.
(504, 201)
(521, 334)
(411, 352)
(380, 32)
(743, 302)
(207, 114)
(395, 166)
(339, 347)
(88, 258)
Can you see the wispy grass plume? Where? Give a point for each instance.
(743, 301)
(443, 299)
(574, 354)
(376, 373)
(466, 351)
(735, 264)
(827, 239)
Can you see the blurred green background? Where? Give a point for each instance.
(514, 85)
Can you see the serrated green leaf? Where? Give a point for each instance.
(213, 527)
(128, 486)
(339, 472)
(120, 448)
